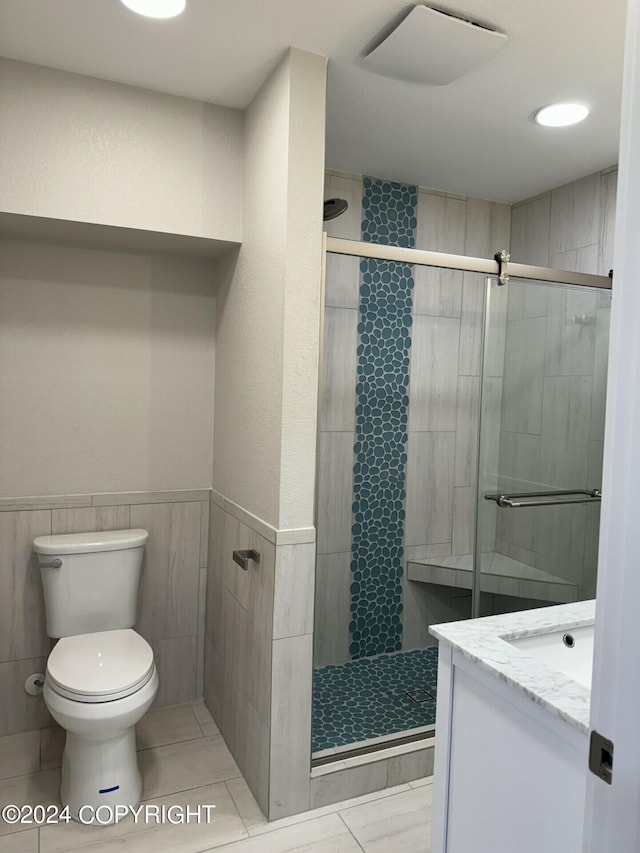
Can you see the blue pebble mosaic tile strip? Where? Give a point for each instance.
(368, 698)
(382, 401)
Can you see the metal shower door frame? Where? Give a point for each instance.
(499, 267)
(491, 267)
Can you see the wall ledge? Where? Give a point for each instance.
(284, 536)
(96, 235)
(16, 504)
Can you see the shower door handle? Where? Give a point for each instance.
(555, 498)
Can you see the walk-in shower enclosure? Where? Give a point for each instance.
(459, 466)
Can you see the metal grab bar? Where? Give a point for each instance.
(513, 502)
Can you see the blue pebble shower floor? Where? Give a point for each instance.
(367, 698)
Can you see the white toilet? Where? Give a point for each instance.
(101, 677)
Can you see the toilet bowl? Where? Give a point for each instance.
(97, 687)
(100, 677)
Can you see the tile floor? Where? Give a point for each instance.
(184, 761)
(367, 698)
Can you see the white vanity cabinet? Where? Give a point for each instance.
(511, 756)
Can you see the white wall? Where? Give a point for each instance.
(78, 148)
(106, 362)
(302, 289)
(268, 318)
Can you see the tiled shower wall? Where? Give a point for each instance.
(171, 599)
(555, 377)
(443, 408)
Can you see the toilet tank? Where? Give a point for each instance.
(95, 585)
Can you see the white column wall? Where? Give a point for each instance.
(269, 305)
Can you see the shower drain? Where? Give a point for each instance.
(420, 696)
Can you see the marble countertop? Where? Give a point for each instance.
(485, 643)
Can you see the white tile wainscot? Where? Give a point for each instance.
(512, 738)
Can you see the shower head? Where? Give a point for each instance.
(333, 207)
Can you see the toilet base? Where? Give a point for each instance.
(99, 764)
(100, 773)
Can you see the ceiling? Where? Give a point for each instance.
(474, 136)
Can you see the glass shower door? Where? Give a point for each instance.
(541, 440)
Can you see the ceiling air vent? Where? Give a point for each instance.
(433, 47)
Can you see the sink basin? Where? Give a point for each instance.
(568, 650)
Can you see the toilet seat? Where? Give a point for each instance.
(100, 667)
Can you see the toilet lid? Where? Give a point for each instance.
(100, 667)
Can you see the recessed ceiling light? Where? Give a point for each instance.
(561, 115)
(156, 8)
